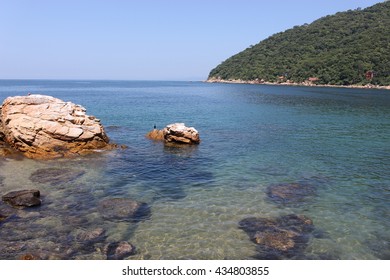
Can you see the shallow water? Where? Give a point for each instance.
(253, 136)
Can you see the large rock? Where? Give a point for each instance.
(179, 133)
(23, 198)
(45, 127)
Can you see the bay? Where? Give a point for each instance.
(253, 137)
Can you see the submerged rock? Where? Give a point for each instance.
(54, 175)
(119, 250)
(91, 236)
(179, 133)
(45, 127)
(291, 193)
(123, 209)
(281, 238)
(23, 198)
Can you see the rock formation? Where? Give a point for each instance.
(45, 127)
(175, 133)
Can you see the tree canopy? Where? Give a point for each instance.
(348, 48)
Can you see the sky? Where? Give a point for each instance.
(141, 39)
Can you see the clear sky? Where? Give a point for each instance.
(141, 39)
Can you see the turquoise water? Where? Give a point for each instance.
(253, 137)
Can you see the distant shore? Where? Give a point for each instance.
(306, 84)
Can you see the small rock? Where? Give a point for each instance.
(119, 250)
(22, 198)
(155, 134)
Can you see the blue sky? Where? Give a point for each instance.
(141, 40)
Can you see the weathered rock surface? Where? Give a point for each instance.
(119, 250)
(45, 127)
(179, 133)
(23, 198)
(281, 238)
(123, 209)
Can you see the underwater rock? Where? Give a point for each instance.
(290, 193)
(55, 175)
(119, 250)
(91, 236)
(23, 198)
(123, 209)
(179, 133)
(44, 127)
(280, 238)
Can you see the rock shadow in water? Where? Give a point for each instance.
(124, 209)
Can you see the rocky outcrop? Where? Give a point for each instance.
(179, 133)
(176, 133)
(45, 127)
(23, 198)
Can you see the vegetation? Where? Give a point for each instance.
(348, 48)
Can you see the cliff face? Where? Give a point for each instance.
(347, 48)
(45, 127)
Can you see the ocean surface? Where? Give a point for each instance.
(334, 142)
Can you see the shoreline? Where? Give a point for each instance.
(303, 84)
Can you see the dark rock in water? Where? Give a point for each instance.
(119, 250)
(123, 209)
(281, 238)
(92, 236)
(291, 193)
(23, 198)
(55, 175)
(2, 217)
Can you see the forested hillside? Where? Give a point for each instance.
(348, 48)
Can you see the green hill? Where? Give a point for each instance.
(342, 49)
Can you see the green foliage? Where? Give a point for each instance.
(337, 49)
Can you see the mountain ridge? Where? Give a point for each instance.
(344, 49)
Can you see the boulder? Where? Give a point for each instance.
(179, 133)
(22, 198)
(45, 127)
(123, 209)
(155, 134)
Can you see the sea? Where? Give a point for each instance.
(327, 148)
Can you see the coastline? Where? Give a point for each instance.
(306, 84)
